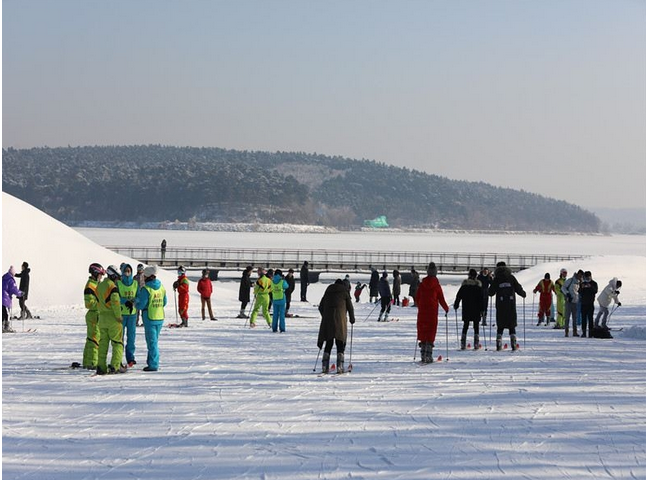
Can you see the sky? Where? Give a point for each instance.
(545, 96)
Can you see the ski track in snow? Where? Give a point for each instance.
(238, 403)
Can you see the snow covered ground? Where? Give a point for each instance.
(232, 402)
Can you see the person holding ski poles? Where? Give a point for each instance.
(429, 294)
(261, 290)
(505, 287)
(181, 285)
(386, 298)
(335, 307)
(9, 289)
(470, 293)
(609, 294)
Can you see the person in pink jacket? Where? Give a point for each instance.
(205, 289)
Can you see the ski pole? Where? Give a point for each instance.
(524, 330)
(351, 335)
(484, 335)
(533, 301)
(250, 311)
(415, 353)
(446, 318)
(457, 335)
(373, 309)
(612, 311)
(317, 359)
(490, 317)
(175, 298)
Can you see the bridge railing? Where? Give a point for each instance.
(330, 260)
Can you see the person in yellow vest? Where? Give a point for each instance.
(91, 350)
(560, 299)
(151, 300)
(128, 288)
(110, 327)
(261, 290)
(278, 287)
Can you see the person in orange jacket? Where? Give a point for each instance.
(181, 285)
(429, 294)
(546, 288)
(205, 289)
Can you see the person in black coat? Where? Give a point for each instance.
(386, 298)
(24, 288)
(373, 285)
(414, 285)
(397, 286)
(485, 280)
(505, 287)
(588, 290)
(291, 282)
(305, 280)
(335, 308)
(245, 287)
(473, 301)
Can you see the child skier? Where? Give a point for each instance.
(358, 289)
(472, 309)
(205, 289)
(545, 287)
(181, 285)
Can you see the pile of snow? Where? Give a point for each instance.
(637, 332)
(57, 255)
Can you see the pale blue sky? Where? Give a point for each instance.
(545, 96)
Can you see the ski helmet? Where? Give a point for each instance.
(112, 272)
(181, 270)
(96, 269)
(150, 271)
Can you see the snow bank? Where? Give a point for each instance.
(636, 331)
(57, 255)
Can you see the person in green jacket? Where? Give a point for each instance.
(91, 350)
(110, 327)
(261, 290)
(128, 288)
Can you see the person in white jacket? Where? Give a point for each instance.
(608, 295)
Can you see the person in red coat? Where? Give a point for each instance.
(429, 295)
(181, 285)
(205, 289)
(546, 288)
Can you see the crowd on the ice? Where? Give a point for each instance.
(118, 300)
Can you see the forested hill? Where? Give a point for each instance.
(157, 183)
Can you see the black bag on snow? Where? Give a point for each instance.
(600, 332)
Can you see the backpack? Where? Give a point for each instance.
(600, 332)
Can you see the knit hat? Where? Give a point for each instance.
(150, 271)
(431, 270)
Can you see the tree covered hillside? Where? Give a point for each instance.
(157, 183)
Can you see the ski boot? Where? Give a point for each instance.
(325, 363)
(540, 321)
(340, 358)
(386, 318)
(574, 332)
(427, 352)
(379, 319)
(463, 342)
(476, 342)
(184, 323)
(498, 342)
(514, 344)
(567, 332)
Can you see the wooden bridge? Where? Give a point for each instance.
(320, 260)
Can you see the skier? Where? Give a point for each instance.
(305, 280)
(414, 285)
(128, 288)
(151, 300)
(386, 298)
(505, 287)
(24, 288)
(205, 289)
(397, 286)
(428, 295)
(261, 290)
(485, 280)
(609, 294)
(358, 289)
(560, 299)
(587, 292)
(140, 284)
(335, 307)
(9, 289)
(181, 285)
(91, 350)
(110, 326)
(291, 281)
(243, 295)
(571, 291)
(545, 287)
(373, 285)
(470, 293)
(278, 287)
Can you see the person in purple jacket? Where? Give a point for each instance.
(9, 289)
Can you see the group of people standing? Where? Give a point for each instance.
(114, 298)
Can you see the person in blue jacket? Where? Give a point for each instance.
(278, 287)
(151, 300)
